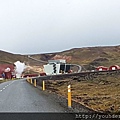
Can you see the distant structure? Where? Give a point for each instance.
(58, 61)
(114, 67)
(102, 68)
(59, 67)
(7, 71)
(56, 67)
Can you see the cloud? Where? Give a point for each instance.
(37, 26)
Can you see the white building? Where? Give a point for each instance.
(56, 67)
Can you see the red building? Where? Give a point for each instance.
(102, 68)
(114, 67)
(6, 71)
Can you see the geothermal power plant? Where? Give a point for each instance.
(9, 71)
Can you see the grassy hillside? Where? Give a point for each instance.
(88, 57)
(6, 57)
(101, 94)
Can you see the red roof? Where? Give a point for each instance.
(114, 67)
(6, 66)
(102, 68)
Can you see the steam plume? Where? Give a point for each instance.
(19, 68)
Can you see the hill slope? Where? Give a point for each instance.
(101, 94)
(88, 57)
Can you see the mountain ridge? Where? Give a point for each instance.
(89, 57)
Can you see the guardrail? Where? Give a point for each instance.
(86, 75)
(33, 82)
(71, 104)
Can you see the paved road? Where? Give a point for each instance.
(19, 96)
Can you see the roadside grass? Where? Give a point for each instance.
(101, 94)
(1, 81)
(5, 80)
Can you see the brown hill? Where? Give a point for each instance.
(10, 58)
(88, 57)
(101, 93)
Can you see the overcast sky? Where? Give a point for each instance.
(44, 26)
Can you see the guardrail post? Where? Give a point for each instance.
(43, 85)
(69, 96)
(27, 79)
(35, 82)
(31, 80)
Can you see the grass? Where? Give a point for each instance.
(5, 80)
(100, 94)
(1, 81)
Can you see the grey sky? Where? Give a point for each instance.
(44, 26)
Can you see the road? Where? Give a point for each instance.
(20, 96)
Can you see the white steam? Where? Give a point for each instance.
(19, 68)
(7, 69)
